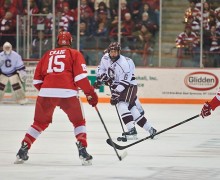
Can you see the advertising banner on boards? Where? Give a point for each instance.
(156, 85)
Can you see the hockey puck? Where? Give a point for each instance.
(124, 139)
(119, 139)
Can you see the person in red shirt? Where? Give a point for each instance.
(58, 76)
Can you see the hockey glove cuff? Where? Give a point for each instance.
(214, 102)
(208, 106)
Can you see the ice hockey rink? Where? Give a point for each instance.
(189, 151)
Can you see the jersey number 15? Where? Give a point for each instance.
(59, 65)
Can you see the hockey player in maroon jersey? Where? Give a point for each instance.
(58, 75)
(117, 71)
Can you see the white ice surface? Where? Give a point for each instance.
(189, 151)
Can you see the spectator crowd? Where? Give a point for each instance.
(98, 19)
(206, 16)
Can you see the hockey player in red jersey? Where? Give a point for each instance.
(58, 75)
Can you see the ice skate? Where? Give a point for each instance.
(83, 155)
(22, 154)
(23, 101)
(131, 135)
(152, 132)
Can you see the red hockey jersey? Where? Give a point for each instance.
(60, 72)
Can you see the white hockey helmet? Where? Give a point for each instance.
(7, 48)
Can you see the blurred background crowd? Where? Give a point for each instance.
(207, 16)
(30, 26)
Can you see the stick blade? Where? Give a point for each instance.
(124, 155)
(111, 143)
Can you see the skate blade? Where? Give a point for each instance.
(124, 155)
(23, 101)
(19, 161)
(86, 162)
(131, 137)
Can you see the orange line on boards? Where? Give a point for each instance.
(145, 100)
(172, 101)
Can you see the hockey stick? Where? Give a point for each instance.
(111, 143)
(125, 153)
(124, 139)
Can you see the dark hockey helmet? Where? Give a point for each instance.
(64, 39)
(114, 46)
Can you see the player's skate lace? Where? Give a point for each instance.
(152, 132)
(132, 134)
(83, 155)
(22, 154)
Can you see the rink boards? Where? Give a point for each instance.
(155, 85)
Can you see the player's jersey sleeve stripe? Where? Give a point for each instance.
(37, 81)
(20, 67)
(80, 76)
(124, 83)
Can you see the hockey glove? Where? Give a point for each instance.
(97, 84)
(206, 110)
(115, 98)
(92, 97)
(105, 79)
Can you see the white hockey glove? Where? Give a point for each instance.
(22, 75)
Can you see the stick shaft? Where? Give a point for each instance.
(119, 117)
(106, 130)
(111, 143)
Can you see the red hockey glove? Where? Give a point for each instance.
(114, 98)
(92, 97)
(208, 106)
(206, 110)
